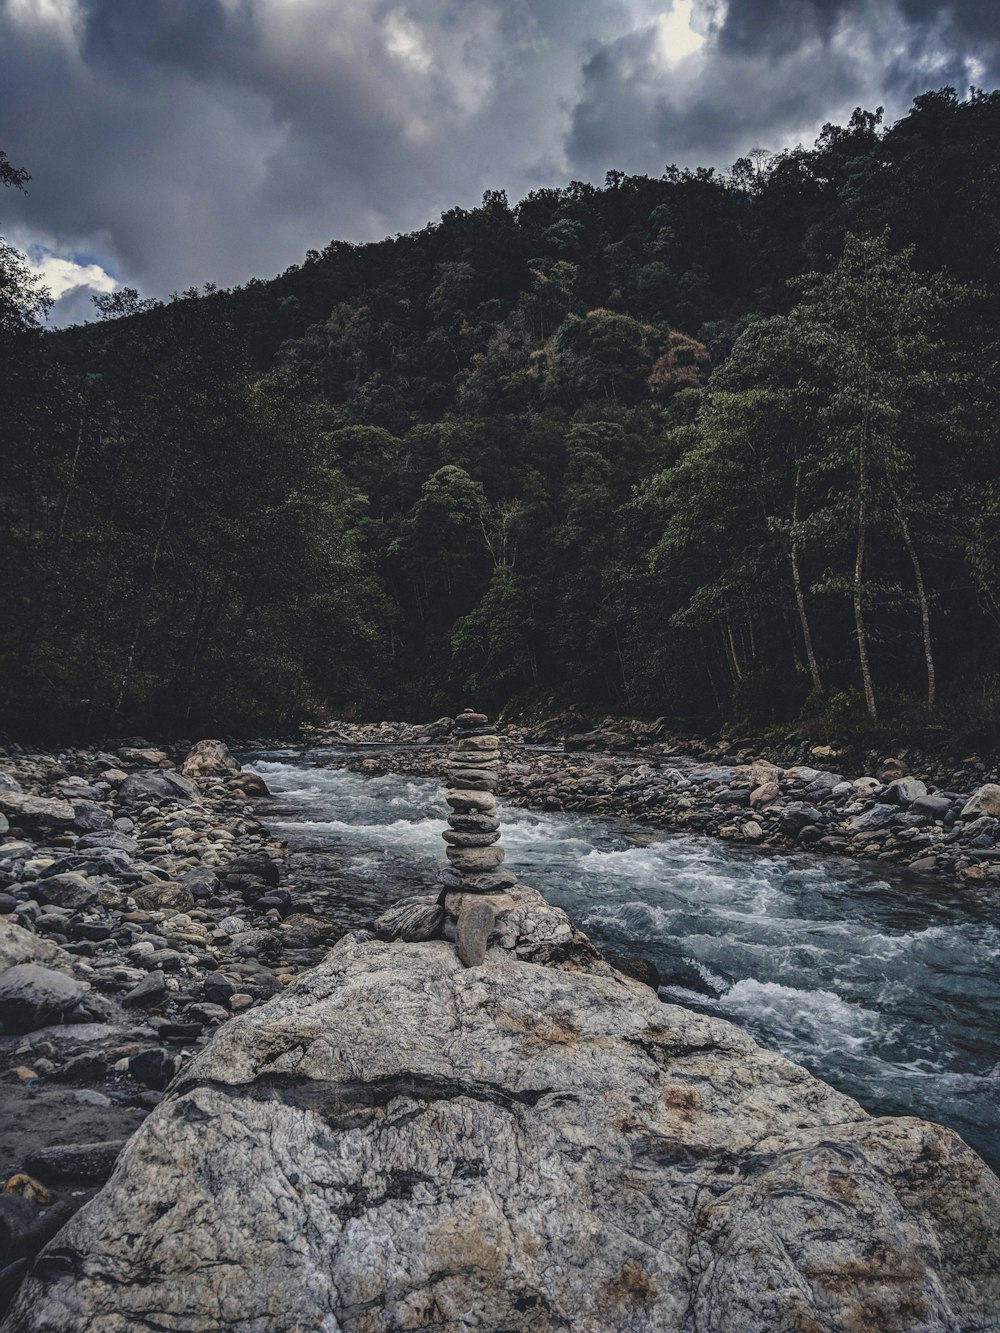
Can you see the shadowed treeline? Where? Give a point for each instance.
(716, 447)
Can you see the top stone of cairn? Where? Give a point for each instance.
(469, 719)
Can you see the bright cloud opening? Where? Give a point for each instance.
(60, 275)
(675, 35)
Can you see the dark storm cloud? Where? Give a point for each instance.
(181, 141)
(770, 74)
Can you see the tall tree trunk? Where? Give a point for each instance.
(800, 600)
(859, 564)
(729, 647)
(70, 484)
(925, 613)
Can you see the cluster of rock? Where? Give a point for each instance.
(141, 904)
(379, 733)
(400, 1142)
(891, 816)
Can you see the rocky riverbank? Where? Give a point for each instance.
(899, 814)
(403, 1142)
(142, 903)
(472, 1118)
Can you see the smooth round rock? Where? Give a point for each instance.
(490, 881)
(467, 718)
(483, 760)
(470, 839)
(474, 858)
(473, 823)
(412, 920)
(466, 800)
(475, 922)
(471, 782)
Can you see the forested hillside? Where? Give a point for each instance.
(721, 447)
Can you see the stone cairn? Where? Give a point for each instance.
(474, 833)
(475, 859)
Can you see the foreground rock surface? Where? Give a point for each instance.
(397, 1142)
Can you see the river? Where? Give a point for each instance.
(887, 989)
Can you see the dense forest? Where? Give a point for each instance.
(715, 446)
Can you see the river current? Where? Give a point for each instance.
(887, 989)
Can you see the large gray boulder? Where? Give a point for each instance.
(32, 996)
(398, 1143)
(37, 814)
(984, 801)
(157, 784)
(210, 759)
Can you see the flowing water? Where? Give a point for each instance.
(889, 990)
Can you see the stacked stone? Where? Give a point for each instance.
(474, 833)
(474, 765)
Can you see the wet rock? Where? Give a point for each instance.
(163, 895)
(413, 919)
(878, 817)
(31, 996)
(108, 838)
(37, 814)
(25, 1226)
(456, 839)
(143, 754)
(90, 818)
(933, 807)
(76, 1161)
(904, 791)
(491, 881)
(150, 992)
(256, 867)
(639, 969)
(985, 801)
(200, 883)
(68, 890)
(766, 794)
(475, 860)
(467, 802)
(476, 920)
(218, 989)
(210, 759)
(474, 823)
(157, 784)
(18, 945)
(489, 1143)
(153, 1068)
(251, 784)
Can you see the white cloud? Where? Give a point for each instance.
(676, 36)
(61, 275)
(405, 41)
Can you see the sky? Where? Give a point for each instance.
(173, 143)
